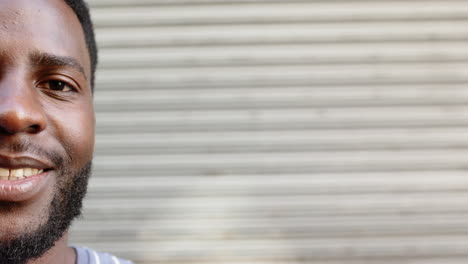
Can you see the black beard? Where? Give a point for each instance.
(65, 206)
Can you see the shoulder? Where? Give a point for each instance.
(90, 256)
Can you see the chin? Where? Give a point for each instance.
(24, 237)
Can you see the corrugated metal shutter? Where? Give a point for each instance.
(266, 131)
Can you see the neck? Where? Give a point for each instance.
(60, 253)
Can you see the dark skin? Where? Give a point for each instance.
(45, 98)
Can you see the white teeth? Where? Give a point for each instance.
(27, 172)
(4, 172)
(15, 174)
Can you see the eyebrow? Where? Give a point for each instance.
(43, 59)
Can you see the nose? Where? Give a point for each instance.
(20, 108)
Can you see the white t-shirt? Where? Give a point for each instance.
(89, 256)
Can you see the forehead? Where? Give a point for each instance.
(50, 26)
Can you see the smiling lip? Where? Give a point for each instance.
(22, 177)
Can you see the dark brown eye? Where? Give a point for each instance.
(57, 85)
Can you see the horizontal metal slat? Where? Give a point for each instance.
(285, 119)
(275, 34)
(206, 229)
(238, 76)
(278, 142)
(135, 100)
(221, 164)
(275, 13)
(353, 53)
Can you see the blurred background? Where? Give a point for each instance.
(267, 131)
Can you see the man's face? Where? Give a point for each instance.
(46, 117)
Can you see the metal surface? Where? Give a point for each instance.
(280, 132)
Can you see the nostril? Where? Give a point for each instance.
(5, 131)
(21, 117)
(34, 128)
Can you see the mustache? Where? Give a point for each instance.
(26, 146)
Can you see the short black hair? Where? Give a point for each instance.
(82, 12)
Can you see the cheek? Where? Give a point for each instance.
(74, 130)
